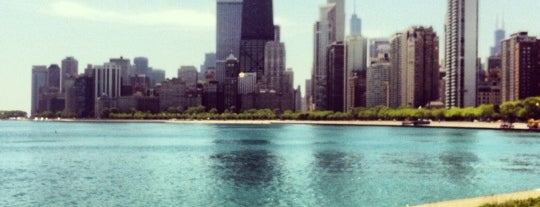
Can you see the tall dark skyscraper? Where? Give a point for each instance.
(231, 84)
(39, 81)
(336, 67)
(257, 30)
(228, 33)
(54, 77)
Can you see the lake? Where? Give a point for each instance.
(138, 164)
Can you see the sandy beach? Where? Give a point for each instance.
(475, 202)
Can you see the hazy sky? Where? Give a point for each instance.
(172, 33)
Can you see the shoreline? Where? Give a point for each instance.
(434, 124)
(478, 201)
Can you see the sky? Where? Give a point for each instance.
(173, 33)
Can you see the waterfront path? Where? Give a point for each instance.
(476, 202)
(434, 124)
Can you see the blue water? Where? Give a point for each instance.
(94, 164)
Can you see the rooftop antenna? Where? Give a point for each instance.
(503, 22)
(354, 7)
(497, 21)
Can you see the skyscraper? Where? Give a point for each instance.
(376, 45)
(228, 33)
(355, 63)
(329, 29)
(53, 81)
(70, 70)
(377, 82)
(309, 99)
(356, 23)
(520, 70)
(500, 34)
(141, 66)
(107, 81)
(396, 47)
(420, 67)
(209, 63)
(274, 65)
(156, 76)
(189, 75)
(356, 60)
(230, 86)
(125, 65)
(336, 77)
(461, 53)
(257, 30)
(247, 83)
(85, 100)
(338, 17)
(39, 81)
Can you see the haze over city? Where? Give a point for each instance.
(175, 33)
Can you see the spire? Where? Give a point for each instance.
(354, 8)
(502, 27)
(500, 24)
(497, 21)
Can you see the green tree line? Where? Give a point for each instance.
(510, 111)
(12, 114)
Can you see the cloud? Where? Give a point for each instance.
(168, 17)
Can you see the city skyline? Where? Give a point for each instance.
(54, 30)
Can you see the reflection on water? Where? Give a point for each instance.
(246, 168)
(528, 163)
(334, 177)
(416, 163)
(248, 178)
(242, 142)
(459, 167)
(337, 162)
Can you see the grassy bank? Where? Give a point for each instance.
(534, 202)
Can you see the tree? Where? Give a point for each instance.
(213, 111)
(487, 112)
(195, 110)
(453, 114)
(509, 110)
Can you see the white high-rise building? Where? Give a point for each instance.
(377, 89)
(461, 53)
(107, 81)
(356, 60)
(330, 28)
(339, 18)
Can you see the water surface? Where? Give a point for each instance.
(96, 164)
